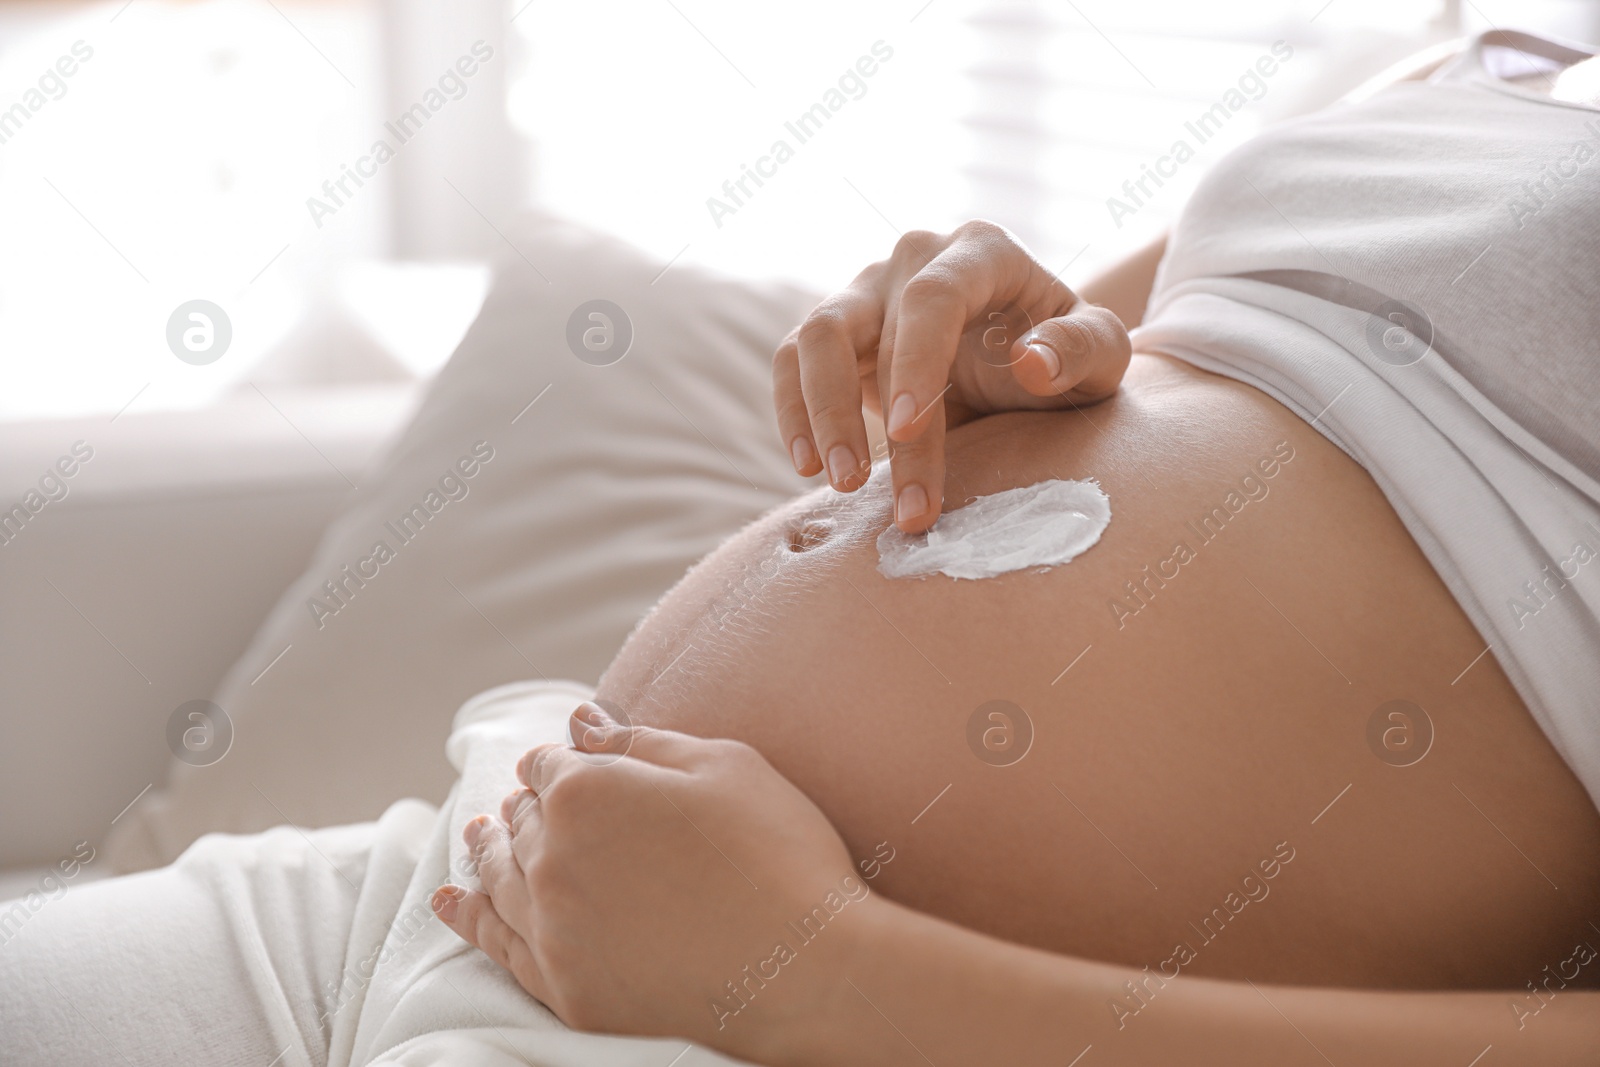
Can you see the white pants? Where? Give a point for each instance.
(295, 948)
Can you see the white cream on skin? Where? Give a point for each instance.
(1039, 525)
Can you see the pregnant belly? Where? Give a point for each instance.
(1248, 734)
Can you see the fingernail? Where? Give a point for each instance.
(595, 714)
(445, 901)
(913, 501)
(473, 830)
(901, 413)
(1047, 356)
(841, 466)
(802, 454)
(597, 726)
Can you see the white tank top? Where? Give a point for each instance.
(1472, 200)
(1418, 276)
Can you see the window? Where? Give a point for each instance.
(181, 158)
(174, 163)
(1032, 113)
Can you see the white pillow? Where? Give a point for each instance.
(538, 504)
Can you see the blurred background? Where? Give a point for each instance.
(177, 162)
(332, 179)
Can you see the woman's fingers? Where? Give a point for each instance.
(931, 315)
(596, 732)
(913, 328)
(817, 383)
(604, 739)
(474, 919)
(979, 266)
(919, 348)
(541, 765)
(1081, 356)
(519, 809)
(794, 424)
(524, 815)
(918, 468)
(830, 382)
(490, 843)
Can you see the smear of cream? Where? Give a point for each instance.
(1035, 526)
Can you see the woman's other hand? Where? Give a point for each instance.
(649, 882)
(948, 328)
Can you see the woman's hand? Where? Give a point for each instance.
(949, 327)
(663, 891)
(642, 872)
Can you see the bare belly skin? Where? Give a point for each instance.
(1203, 792)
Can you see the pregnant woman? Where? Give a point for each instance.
(1317, 709)
(1296, 762)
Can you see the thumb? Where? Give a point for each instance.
(1081, 355)
(597, 730)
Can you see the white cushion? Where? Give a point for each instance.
(551, 528)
